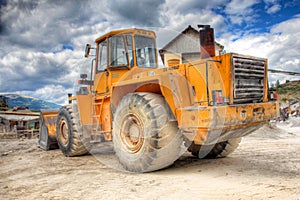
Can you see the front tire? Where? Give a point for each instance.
(145, 135)
(67, 133)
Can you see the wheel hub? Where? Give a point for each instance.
(132, 133)
(64, 131)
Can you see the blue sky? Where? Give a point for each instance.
(42, 42)
(264, 14)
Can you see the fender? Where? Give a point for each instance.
(173, 86)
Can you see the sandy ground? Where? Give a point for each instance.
(265, 166)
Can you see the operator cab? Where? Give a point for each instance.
(117, 52)
(125, 49)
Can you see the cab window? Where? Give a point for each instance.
(117, 51)
(102, 57)
(145, 51)
(130, 49)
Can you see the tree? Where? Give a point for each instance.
(3, 103)
(277, 83)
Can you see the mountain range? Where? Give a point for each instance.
(26, 101)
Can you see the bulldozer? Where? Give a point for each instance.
(153, 114)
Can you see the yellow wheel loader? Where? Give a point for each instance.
(151, 114)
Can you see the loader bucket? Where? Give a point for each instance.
(47, 138)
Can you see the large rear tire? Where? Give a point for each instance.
(219, 150)
(67, 133)
(145, 134)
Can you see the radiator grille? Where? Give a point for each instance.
(249, 76)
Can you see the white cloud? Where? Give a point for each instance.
(53, 93)
(145, 13)
(270, 2)
(32, 37)
(240, 7)
(290, 27)
(274, 9)
(177, 15)
(192, 6)
(272, 6)
(240, 11)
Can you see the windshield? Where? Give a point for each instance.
(145, 51)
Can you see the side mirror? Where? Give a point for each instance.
(87, 50)
(83, 80)
(83, 76)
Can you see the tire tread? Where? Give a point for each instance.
(77, 145)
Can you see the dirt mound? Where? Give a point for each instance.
(279, 130)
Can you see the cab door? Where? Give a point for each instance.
(101, 75)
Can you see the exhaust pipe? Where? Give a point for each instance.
(207, 41)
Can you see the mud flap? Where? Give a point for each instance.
(47, 138)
